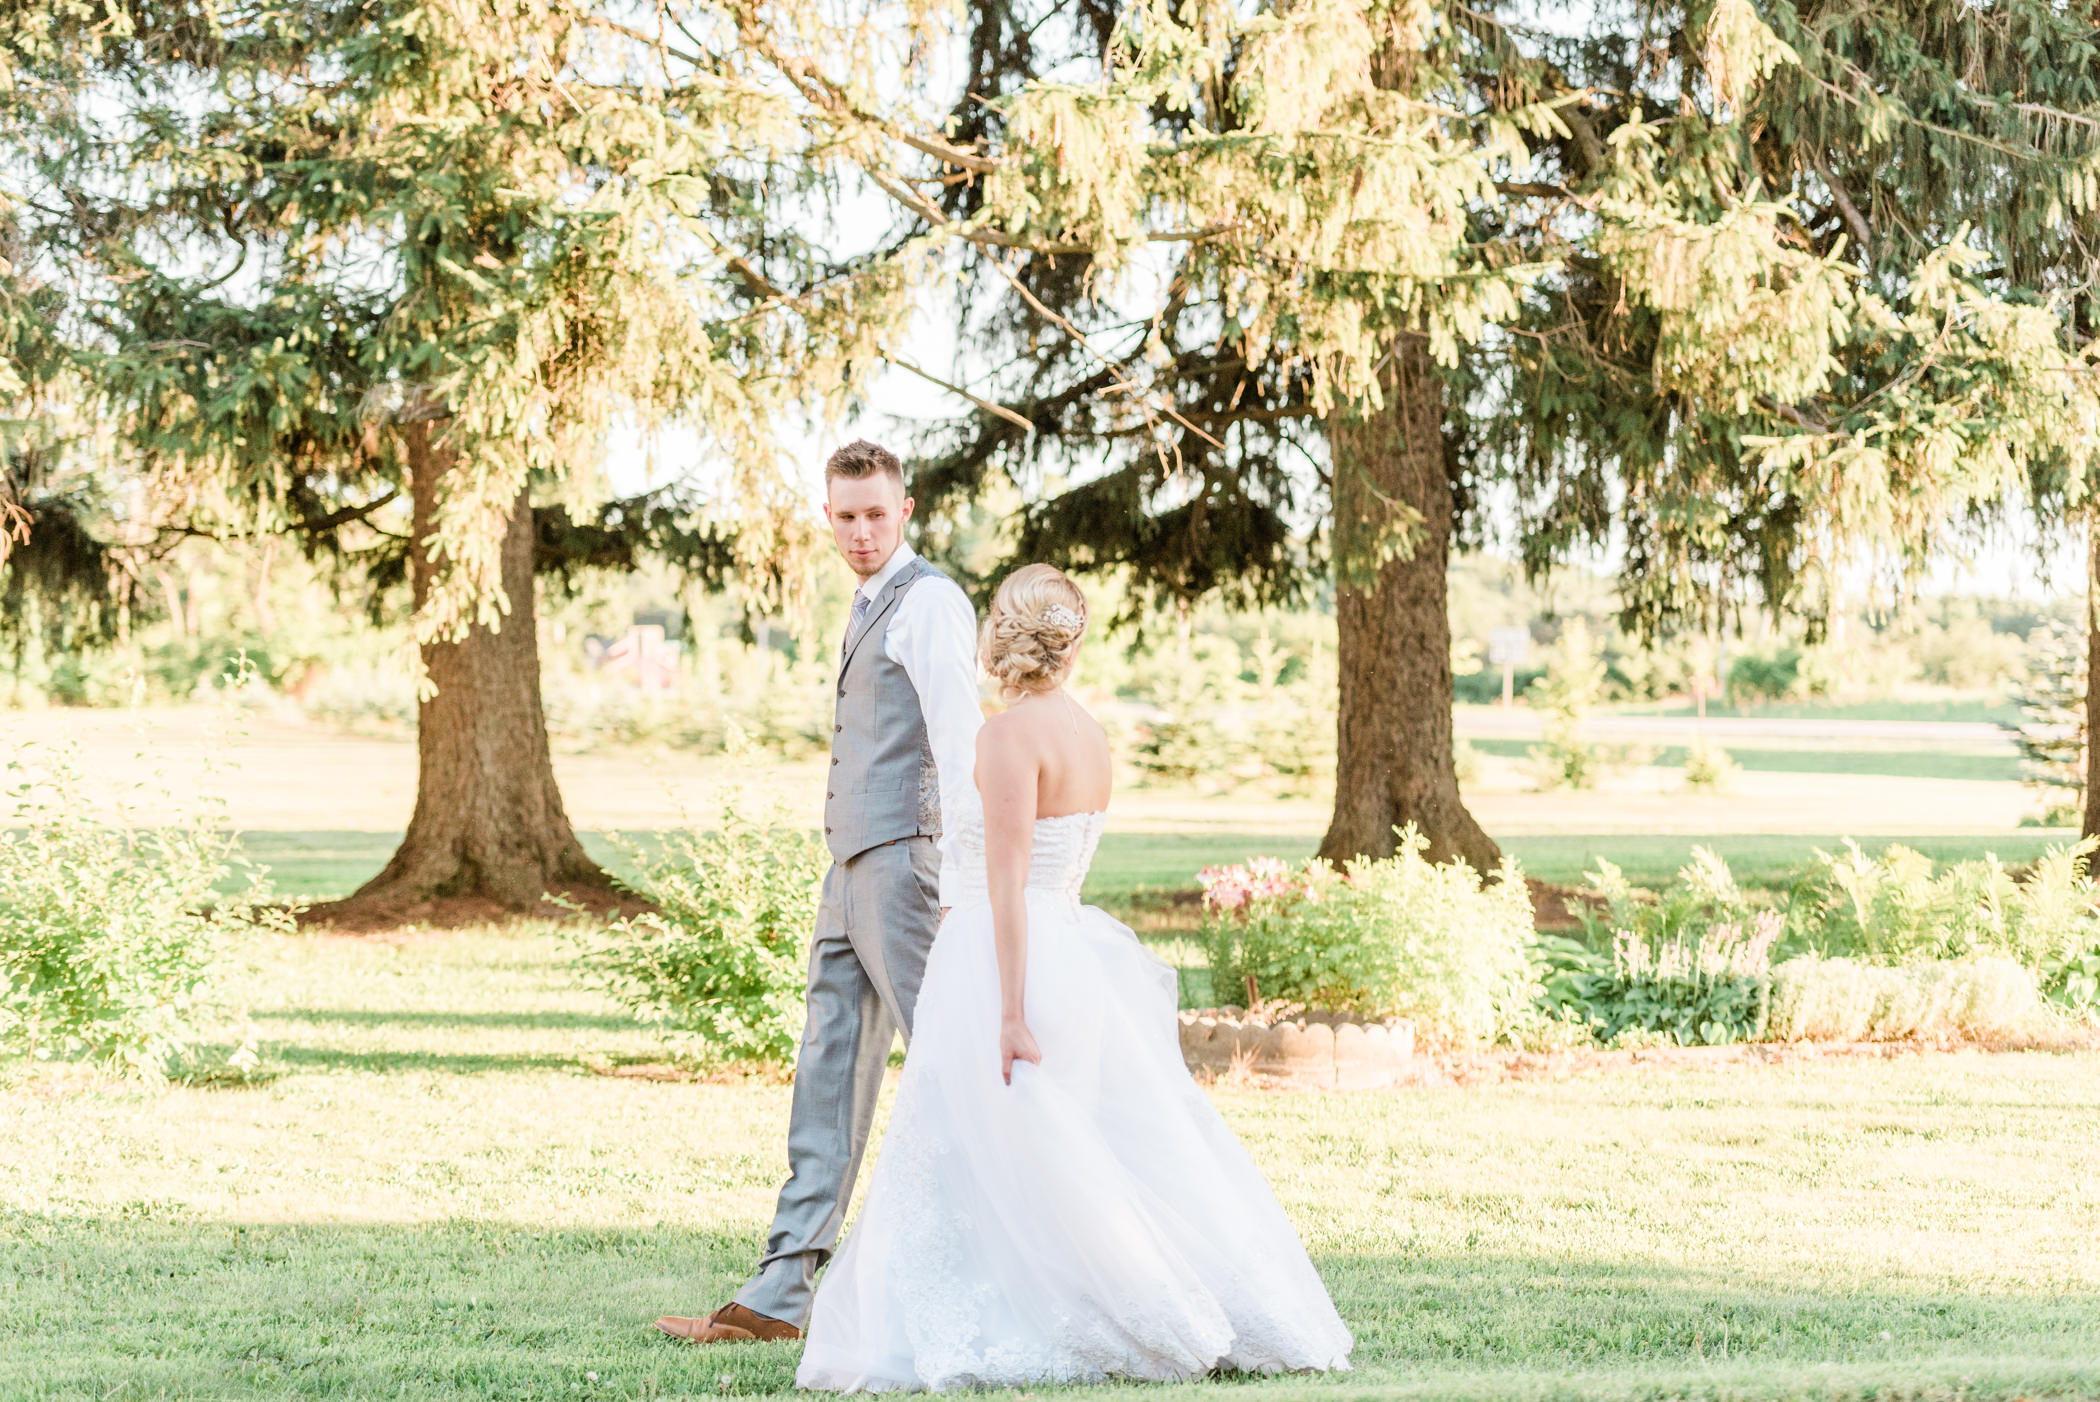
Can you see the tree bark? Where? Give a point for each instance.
(2091, 826)
(1393, 756)
(489, 823)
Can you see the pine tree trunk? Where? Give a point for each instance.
(1393, 759)
(2091, 825)
(489, 824)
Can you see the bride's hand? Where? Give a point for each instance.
(1016, 1043)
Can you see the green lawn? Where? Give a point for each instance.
(435, 1199)
(1971, 708)
(1131, 867)
(1904, 764)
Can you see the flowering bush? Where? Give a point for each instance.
(1704, 987)
(1402, 936)
(1689, 966)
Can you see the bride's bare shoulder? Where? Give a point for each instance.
(1006, 727)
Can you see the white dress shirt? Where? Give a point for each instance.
(933, 636)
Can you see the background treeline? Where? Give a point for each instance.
(209, 604)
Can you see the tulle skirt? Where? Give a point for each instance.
(1095, 1219)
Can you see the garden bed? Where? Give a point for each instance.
(1316, 1050)
(1314, 1053)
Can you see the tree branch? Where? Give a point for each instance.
(999, 410)
(1079, 339)
(1854, 220)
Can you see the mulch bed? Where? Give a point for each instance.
(1554, 907)
(355, 916)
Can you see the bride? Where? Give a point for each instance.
(1056, 1201)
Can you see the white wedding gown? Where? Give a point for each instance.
(1096, 1219)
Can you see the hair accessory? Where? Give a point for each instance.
(1063, 617)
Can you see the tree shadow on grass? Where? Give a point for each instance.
(293, 1056)
(383, 1017)
(144, 1303)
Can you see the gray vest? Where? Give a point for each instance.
(883, 782)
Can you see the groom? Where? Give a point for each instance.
(903, 747)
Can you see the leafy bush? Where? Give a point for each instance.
(1402, 937)
(1770, 676)
(1705, 987)
(724, 957)
(1704, 894)
(112, 934)
(1690, 967)
(1845, 1000)
(1570, 690)
(1894, 949)
(1708, 766)
(1465, 764)
(1894, 908)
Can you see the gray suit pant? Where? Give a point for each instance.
(879, 914)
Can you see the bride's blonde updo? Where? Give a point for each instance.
(1031, 635)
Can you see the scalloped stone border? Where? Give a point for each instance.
(1319, 1051)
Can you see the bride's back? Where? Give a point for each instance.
(1044, 756)
(1052, 736)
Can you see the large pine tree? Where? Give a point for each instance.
(382, 274)
(1802, 287)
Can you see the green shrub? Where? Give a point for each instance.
(1700, 987)
(1893, 949)
(1704, 894)
(1708, 766)
(112, 935)
(724, 957)
(1465, 764)
(1690, 966)
(1894, 908)
(1570, 690)
(1772, 676)
(1845, 1000)
(1402, 937)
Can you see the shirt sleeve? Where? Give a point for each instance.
(933, 637)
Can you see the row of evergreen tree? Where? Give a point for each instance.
(1249, 299)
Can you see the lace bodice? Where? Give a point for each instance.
(1064, 849)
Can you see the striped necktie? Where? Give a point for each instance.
(860, 612)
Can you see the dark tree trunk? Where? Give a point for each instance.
(1393, 761)
(489, 824)
(2091, 825)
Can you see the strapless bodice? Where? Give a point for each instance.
(1058, 862)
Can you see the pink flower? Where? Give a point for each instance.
(1224, 888)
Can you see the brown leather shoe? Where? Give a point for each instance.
(731, 1324)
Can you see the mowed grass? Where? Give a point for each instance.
(1972, 709)
(1137, 868)
(435, 1198)
(1902, 764)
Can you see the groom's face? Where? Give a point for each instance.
(867, 516)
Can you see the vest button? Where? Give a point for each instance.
(830, 795)
(834, 761)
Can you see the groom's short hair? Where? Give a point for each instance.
(860, 458)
